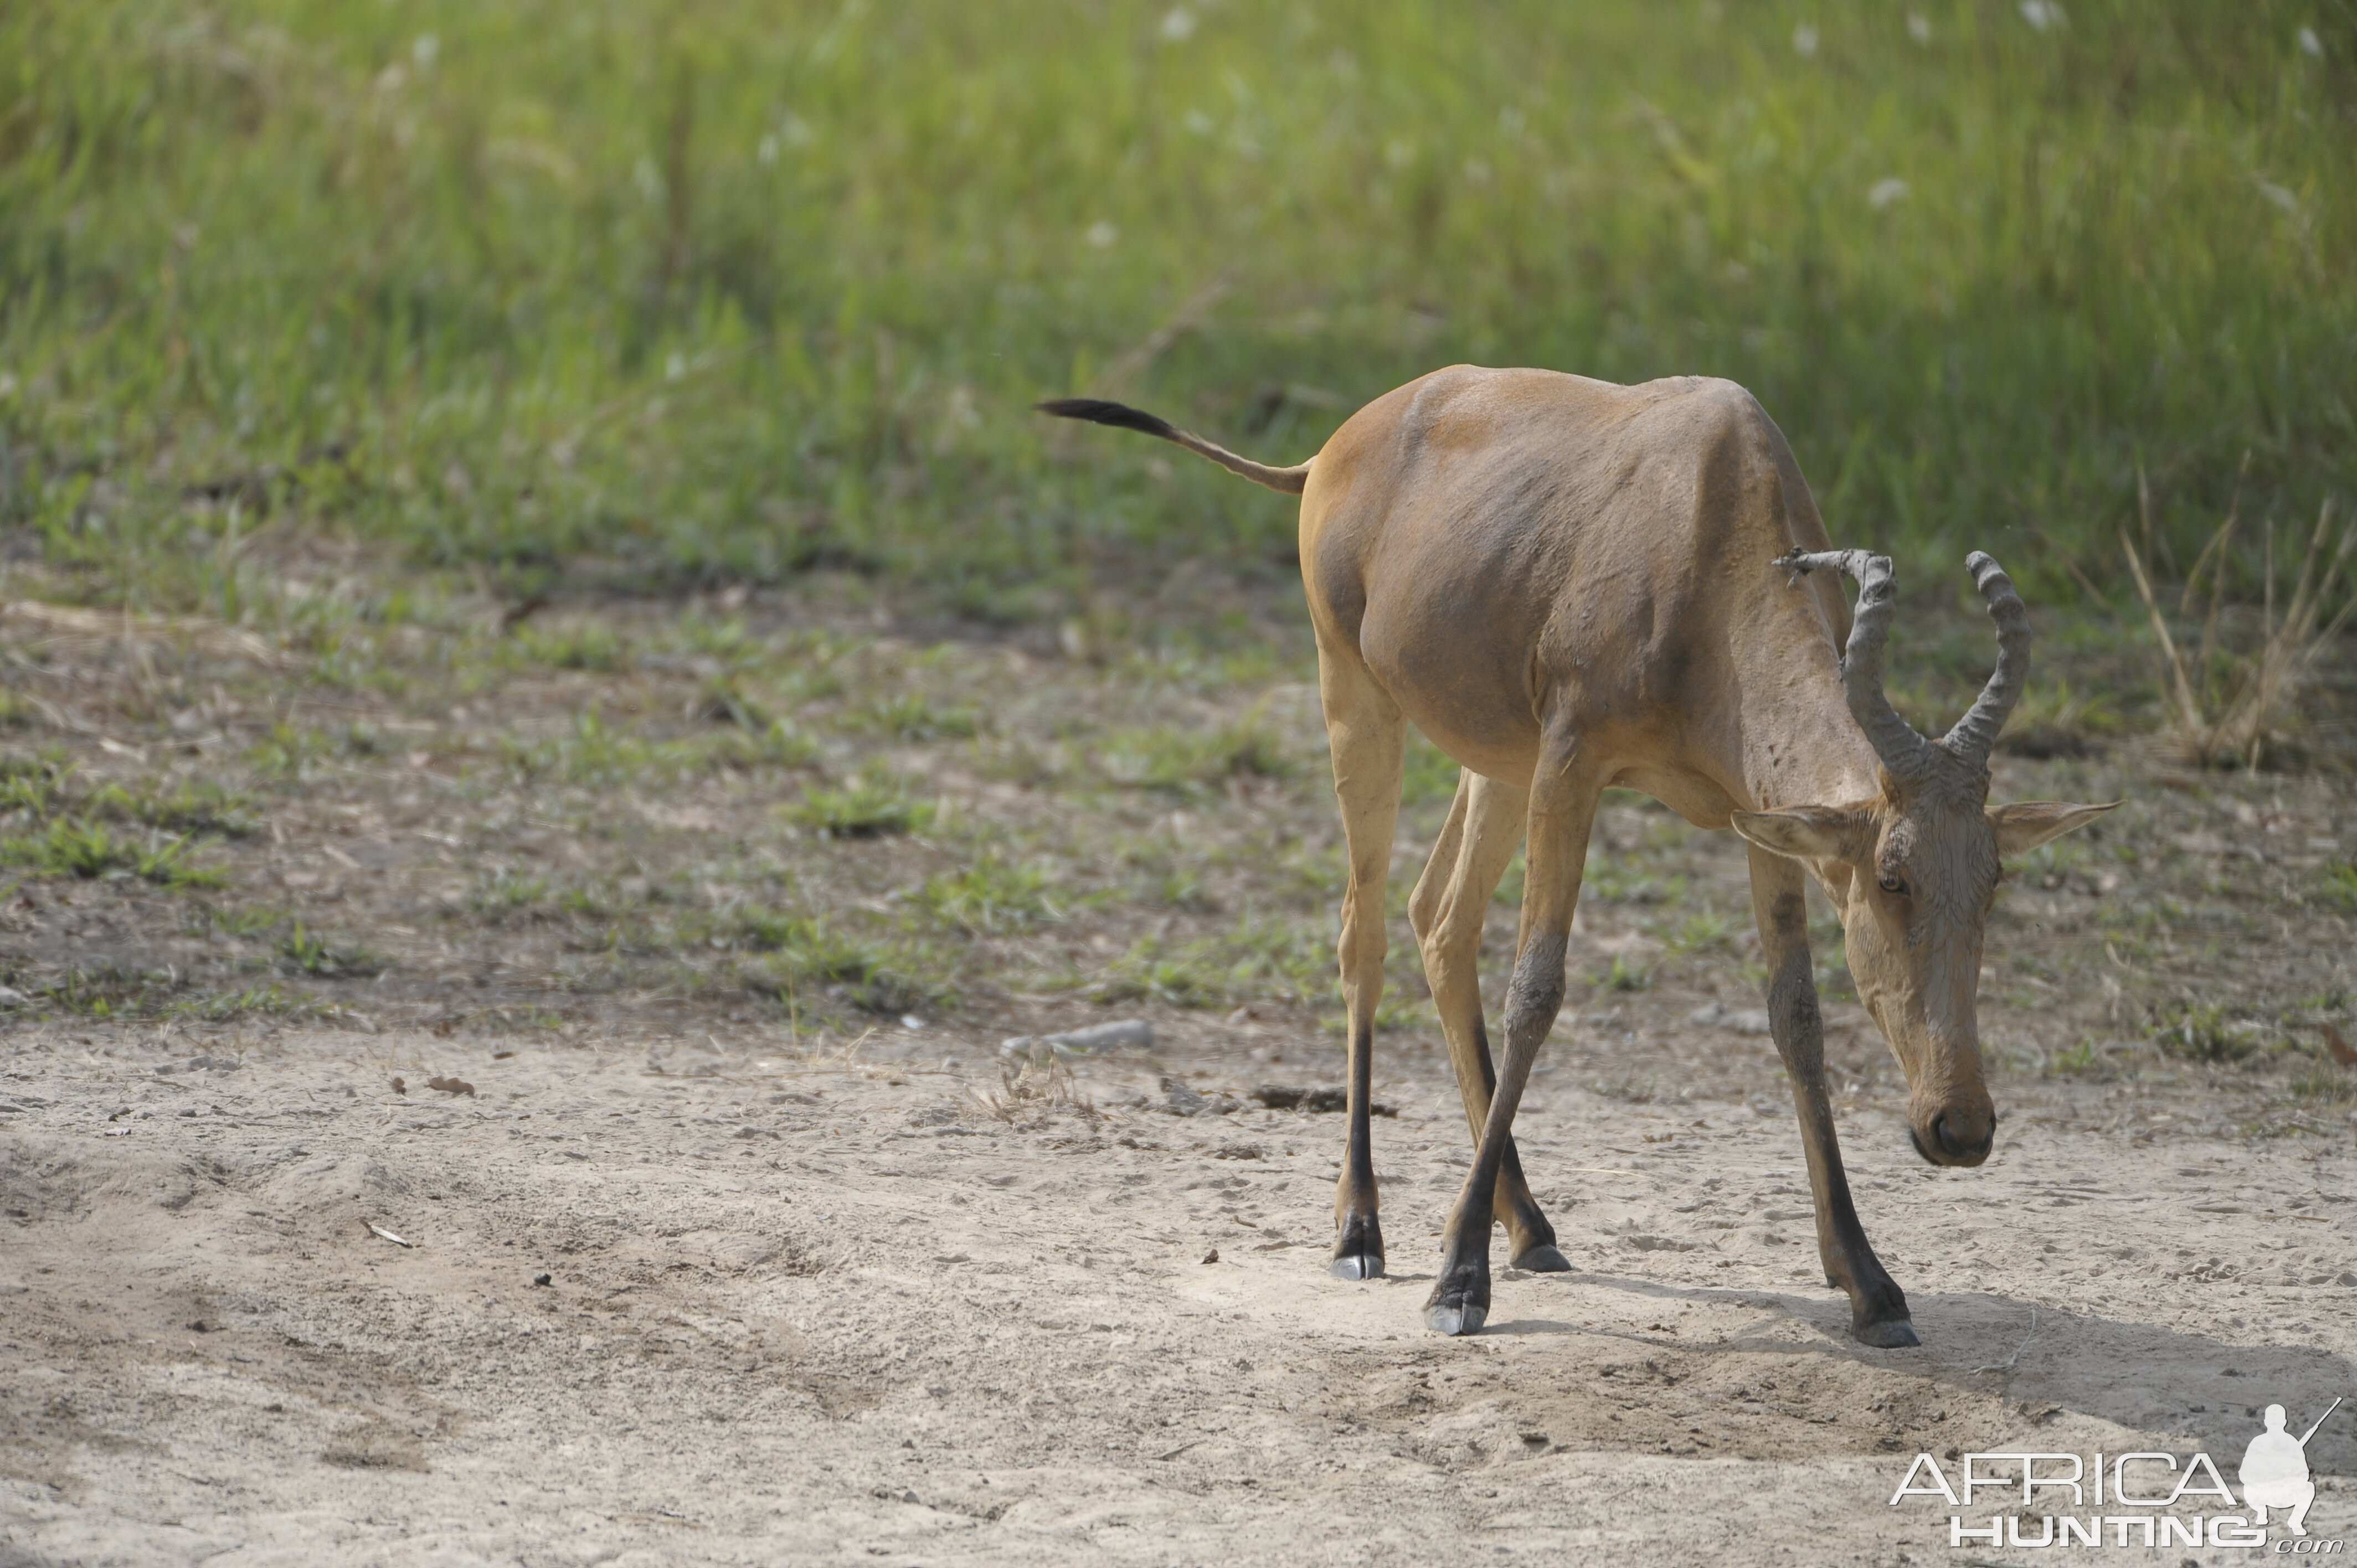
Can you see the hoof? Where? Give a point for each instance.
(1544, 1259)
(1891, 1334)
(1359, 1250)
(1465, 1318)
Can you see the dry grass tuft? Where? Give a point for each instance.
(2225, 706)
(1034, 1090)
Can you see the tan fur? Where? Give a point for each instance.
(1568, 585)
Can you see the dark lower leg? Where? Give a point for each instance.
(1877, 1306)
(1358, 1234)
(1459, 1303)
(1530, 1238)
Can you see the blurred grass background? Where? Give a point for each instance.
(665, 295)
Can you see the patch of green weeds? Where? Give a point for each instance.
(1020, 762)
(606, 900)
(1400, 1008)
(876, 804)
(109, 991)
(271, 1000)
(291, 752)
(186, 808)
(912, 715)
(1707, 931)
(1256, 959)
(1609, 882)
(70, 846)
(313, 954)
(1624, 975)
(992, 897)
(758, 929)
(2054, 719)
(2050, 865)
(595, 752)
(1179, 888)
(725, 697)
(260, 920)
(724, 639)
(778, 744)
(2324, 1084)
(34, 784)
(1149, 973)
(168, 865)
(580, 645)
(2338, 887)
(2206, 1034)
(1427, 773)
(506, 892)
(810, 953)
(1188, 762)
(2085, 1059)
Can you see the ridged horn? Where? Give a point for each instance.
(1977, 730)
(1903, 751)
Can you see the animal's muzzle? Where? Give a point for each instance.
(1955, 1140)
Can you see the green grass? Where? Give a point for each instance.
(876, 805)
(506, 892)
(2081, 1060)
(1623, 976)
(1705, 931)
(994, 896)
(670, 296)
(584, 646)
(1187, 761)
(812, 956)
(116, 991)
(70, 846)
(312, 953)
(2205, 1033)
(911, 715)
(2324, 1084)
(1254, 959)
(184, 808)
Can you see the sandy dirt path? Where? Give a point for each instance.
(811, 1311)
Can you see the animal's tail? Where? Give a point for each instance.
(1096, 410)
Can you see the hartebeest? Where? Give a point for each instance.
(1570, 584)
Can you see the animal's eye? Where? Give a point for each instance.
(1891, 884)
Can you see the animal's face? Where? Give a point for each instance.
(1914, 875)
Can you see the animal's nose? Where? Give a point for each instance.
(1963, 1145)
(1955, 1138)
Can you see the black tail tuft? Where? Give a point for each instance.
(1096, 410)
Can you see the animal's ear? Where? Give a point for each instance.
(2026, 824)
(1809, 833)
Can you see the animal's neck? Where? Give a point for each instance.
(1800, 746)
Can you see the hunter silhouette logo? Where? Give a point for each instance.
(2275, 1471)
(2274, 1475)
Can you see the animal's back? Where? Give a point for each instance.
(1493, 540)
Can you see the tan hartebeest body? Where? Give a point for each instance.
(1570, 585)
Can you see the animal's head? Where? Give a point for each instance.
(1914, 871)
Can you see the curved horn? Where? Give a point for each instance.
(1895, 741)
(1977, 731)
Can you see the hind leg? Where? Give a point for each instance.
(1561, 809)
(1451, 901)
(1369, 738)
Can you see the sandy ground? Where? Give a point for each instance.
(848, 1309)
